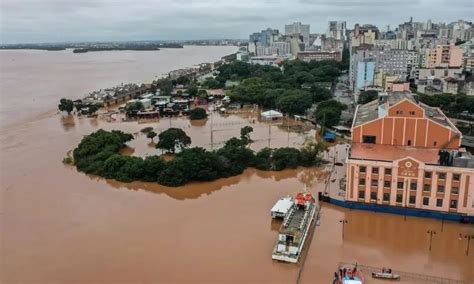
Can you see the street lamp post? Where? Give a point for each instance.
(431, 232)
(468, 238)
(343, 221)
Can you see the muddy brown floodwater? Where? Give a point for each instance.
(62, 226)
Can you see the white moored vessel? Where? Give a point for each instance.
(281, 208)
(295, 228)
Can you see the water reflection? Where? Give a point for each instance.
(195, 190)
(198, 122)
(67, 122)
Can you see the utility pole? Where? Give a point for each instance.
(468, 238)
(343, 221)
(288, 124)
(212, 133)
(431, 232)
(269, 132)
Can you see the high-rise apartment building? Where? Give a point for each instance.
(298, 28)
(444, 56)
(362, 69)
(393, 62)
(336, 30)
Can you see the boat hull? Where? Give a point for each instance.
(294, 258)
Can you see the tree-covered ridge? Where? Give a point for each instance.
(99, 154)
(453, 105)
(292, 88)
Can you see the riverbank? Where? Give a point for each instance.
(74, 76)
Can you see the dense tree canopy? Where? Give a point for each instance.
(66, 105)
(165, 85)
(273, 87)
(328, 113)
(451, 104)
(192, 90)
(294, 102)
(152, 134)
(367, 96)
(197, 113)
(173, 139)
(98, 153)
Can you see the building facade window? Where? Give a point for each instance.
(455, 190)
(427, 187)
(453, 204)
(388, 172)
(362, 181)
(399, 198)
(362, 169)
(456, 177)
(441, 175)
(386, 197)
(373, 195)
(400, 184)
(426, 201)
(412, 199)
(413, 185)
(374, 182)
(375, 171)
(386, 183)
(440, 188)
(361, 194)
(439, 202)
(428, 174)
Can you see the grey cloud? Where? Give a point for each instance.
(78, 20)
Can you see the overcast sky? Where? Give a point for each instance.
(91, 20)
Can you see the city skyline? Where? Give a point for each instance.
(108, 20)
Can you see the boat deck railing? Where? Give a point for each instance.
(421, 278)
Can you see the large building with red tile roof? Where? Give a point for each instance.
(406, 154)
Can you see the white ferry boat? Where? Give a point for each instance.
(295, 228)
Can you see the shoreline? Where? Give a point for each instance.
(45, 113)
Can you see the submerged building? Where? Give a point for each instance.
(407, 155)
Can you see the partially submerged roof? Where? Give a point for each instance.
(272, 113)
(392, 153)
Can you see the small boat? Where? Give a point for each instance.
(349, 274)
(386, 275)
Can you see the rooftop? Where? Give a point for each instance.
(391, 153)
(377, 109)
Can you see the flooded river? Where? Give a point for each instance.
(61, 226)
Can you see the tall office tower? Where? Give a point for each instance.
(337, 30)
(298, 28)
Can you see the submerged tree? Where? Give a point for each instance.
(152, 134)
(197, 113)
(245, 134)
(66, 105)
(172, 139)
